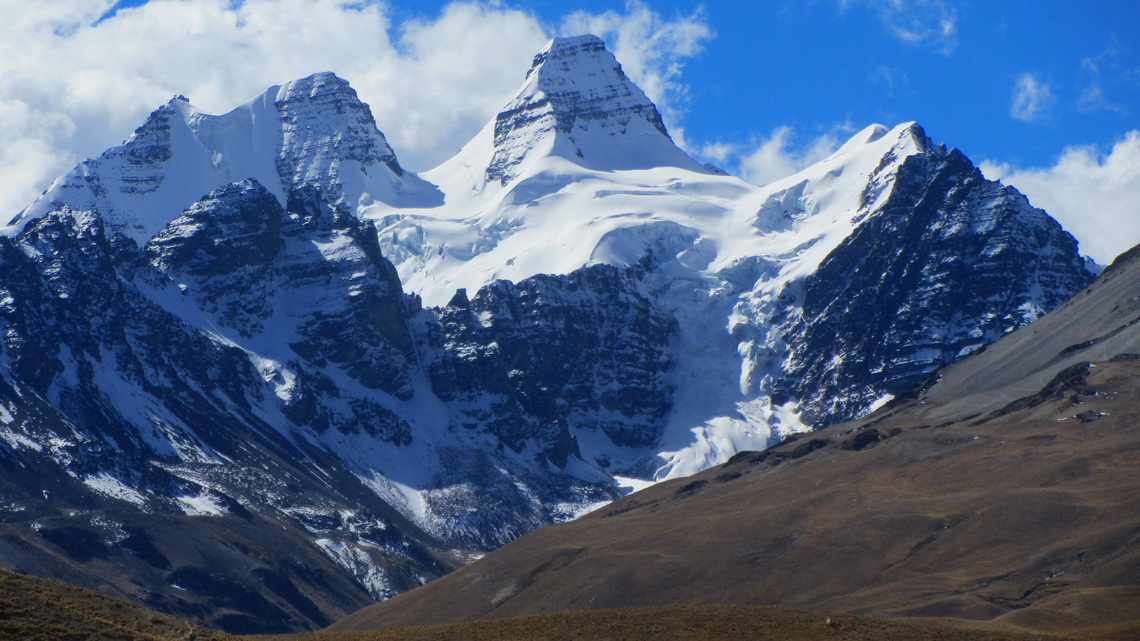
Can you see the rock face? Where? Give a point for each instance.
(137, 423)
(311, 277)
(222, 394)
(949, 263)
(584, 350)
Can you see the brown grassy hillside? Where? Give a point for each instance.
(1008, 492)
(33, 609)
(691, 623)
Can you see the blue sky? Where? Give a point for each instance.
(1043, 95)
(814, 65)
(823, 65)
(955, 67)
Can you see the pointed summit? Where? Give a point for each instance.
(329, 140)
(577, 79)
(577, 104)
(306, 105)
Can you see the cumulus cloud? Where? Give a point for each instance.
(1095, 196)
(1033, 99)
(72, 85)
(775, 156)
(451, 75)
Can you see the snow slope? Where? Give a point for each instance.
(578, 170)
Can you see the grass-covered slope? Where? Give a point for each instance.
(1007, 492)
(34, 609)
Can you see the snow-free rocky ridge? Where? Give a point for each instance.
(258, 323)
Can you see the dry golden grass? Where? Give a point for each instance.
(34, 609)
(687, 623)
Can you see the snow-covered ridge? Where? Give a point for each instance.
(576, 170)
(313, 131)
(557, 216)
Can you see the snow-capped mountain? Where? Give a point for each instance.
(738, 268)
(258, 322)
(313, 131)
(576, 104)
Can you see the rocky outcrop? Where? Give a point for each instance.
(312, 278)
(947, 264)
(533, 360)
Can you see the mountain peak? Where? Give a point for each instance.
(313, 132)
(329, 140)
(323, 92)
(571, 44)
(578, 70)
(316, 82)
(575, 104)
(324, 125)
(907, 138)
(579, 55)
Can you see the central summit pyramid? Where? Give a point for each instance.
(576, 104)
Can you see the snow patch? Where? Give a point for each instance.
(201, 505)
(360, 564)
(110, 486)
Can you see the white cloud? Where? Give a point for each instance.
(71, 86)
(1033, 99)
(1095, 196)
(453, 74)
(775, 156)
(718, 152)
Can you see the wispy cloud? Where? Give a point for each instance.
(896, 80)
(926, 23)
(74, 81)
(1032, 100)
(1096, 75)
(1094, 195)
(777, 155)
